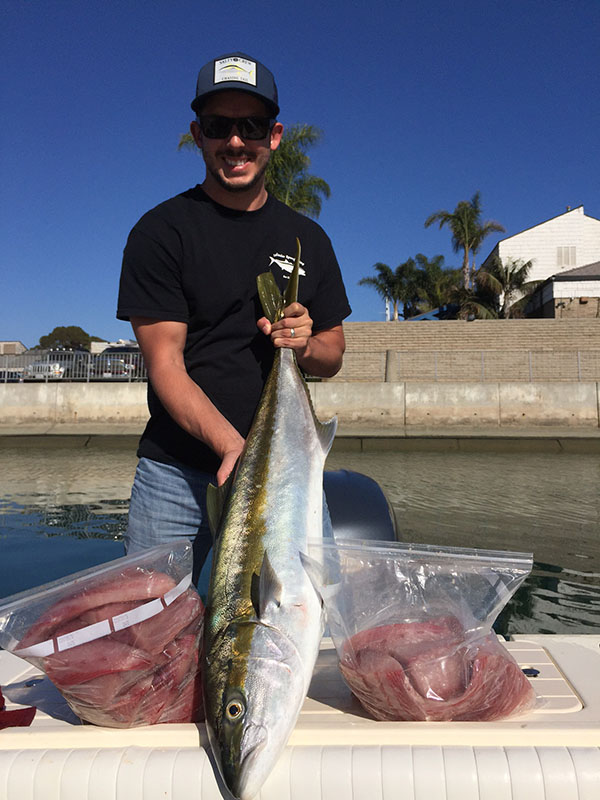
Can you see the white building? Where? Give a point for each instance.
(562, 243)
(12, 348)
(572, 293)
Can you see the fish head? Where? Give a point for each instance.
(251, 715)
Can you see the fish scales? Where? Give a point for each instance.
(280, 428)
(251, 525)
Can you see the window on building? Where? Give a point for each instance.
(566, 256)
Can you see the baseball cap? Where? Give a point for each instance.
(240, 72)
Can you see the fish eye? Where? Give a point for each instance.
(234, 710)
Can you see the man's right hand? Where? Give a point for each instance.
(228, 463)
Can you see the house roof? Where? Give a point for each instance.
(587, 271)
(578, 209)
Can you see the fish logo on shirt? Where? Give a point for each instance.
(286, 263)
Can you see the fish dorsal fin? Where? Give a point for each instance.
(216, 497)
(271, 299)
(326, 433)
(269, 588)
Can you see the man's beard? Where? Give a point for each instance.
(236, 188)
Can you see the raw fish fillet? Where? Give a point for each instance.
(94, 615)
(101, 692)
(93, 659)
(139, 675)
(132, 585)
(431, 671)
(171, 692)
(154, 638)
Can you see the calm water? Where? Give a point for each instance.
(63, 507)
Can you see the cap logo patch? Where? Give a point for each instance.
(235, 69)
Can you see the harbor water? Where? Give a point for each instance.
(63, 508)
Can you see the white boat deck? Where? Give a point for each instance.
(335, 752)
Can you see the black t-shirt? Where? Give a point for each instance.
(191, 260)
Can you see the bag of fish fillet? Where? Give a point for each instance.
(120, 641)
(412, 626)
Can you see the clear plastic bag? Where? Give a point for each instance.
(412, 626)
(121, 641)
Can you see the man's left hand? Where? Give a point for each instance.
(294, 330)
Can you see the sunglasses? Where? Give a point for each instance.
(214, 126)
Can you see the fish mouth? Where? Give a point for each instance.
(237, 777)
(254, 739)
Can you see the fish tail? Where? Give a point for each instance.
(272, 301)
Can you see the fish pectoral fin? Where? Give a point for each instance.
(314, 571)
(216, 497)
(213, 508)
(270, 589)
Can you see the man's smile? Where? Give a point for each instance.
(236, 162)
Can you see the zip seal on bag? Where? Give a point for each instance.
(106, 626)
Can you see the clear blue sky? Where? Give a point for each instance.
(422, 102)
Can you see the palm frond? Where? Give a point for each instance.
(186, 142)
(288, 177)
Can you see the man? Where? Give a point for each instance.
(188, 286)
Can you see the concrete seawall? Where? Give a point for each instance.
(429, 404)
(57, 403)
(389, 408)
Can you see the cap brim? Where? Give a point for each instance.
(196, 103)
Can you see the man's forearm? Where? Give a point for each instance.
(323, 355)
(192, 410)
(162, 343)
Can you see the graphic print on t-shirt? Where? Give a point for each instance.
(286, 263)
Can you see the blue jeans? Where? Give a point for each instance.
(168, 503)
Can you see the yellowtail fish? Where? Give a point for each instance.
(264, 619)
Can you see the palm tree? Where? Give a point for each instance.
(507, 280)
(398, 286)
(287, 177)
(472, 303)
(436, 283)
(468, 231)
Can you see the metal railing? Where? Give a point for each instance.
(71, 366)
(477, 366)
